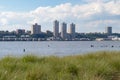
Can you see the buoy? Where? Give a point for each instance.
(48, 46)
(112, 46)
(23, 50)
(92, 45)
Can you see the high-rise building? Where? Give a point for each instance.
(64, 30)
(36, 29)
(56, 28)
(20, 31)
(109, 30)
(72, 30)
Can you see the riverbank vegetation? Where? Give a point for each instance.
(92, 66)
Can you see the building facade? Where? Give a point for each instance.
(36, 29)
(56, 28)
(63, 30)
(72, 31)
(108, 30)
(20, 31)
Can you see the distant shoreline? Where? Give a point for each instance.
(40, 39)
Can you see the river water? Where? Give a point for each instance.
(56, 48)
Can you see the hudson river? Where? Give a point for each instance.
(56, 48)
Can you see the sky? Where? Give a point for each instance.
(88, 15)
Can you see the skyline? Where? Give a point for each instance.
(88, 15)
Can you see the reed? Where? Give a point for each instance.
(92, 66)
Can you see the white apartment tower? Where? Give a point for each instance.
(56, 28)
(64, 30)
(36, 29)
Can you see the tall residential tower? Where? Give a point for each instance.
(63, 30)
(56, 28)
(72, 30)
(109, 30)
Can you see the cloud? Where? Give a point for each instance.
(3, 21)
(89, 15)
(100, 1)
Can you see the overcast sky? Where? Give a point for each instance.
(88, 15)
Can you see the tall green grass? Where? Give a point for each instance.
(91, 66)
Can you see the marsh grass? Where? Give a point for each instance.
(91, 66)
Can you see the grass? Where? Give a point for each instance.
(91, 66)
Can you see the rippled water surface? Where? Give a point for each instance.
(57, 48)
